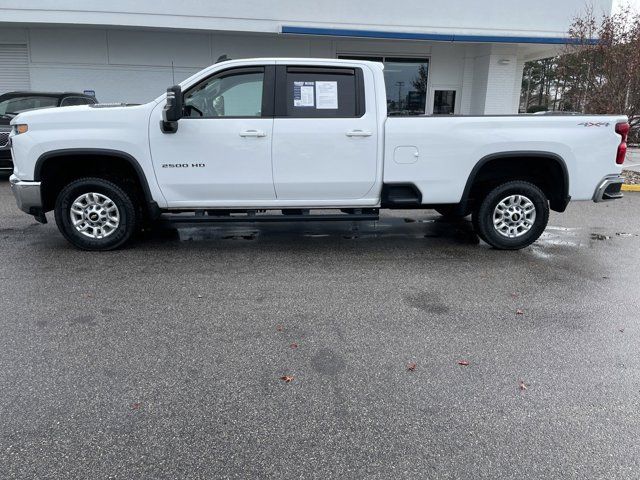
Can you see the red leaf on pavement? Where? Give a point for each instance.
(287, 379)
(519, 312)
(136, 405)
(411, 367)
(279, 328)
(523, 386)
(294, 345)
(464, 363)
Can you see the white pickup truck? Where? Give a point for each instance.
(279, 139)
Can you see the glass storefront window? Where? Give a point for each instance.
(444, 102)
(406, 80)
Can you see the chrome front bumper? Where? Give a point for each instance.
(27, 195)
(609, 189)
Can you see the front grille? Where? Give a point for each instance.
(4, 138)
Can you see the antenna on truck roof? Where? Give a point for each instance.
(222, 58)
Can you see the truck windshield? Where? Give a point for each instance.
(13, 105)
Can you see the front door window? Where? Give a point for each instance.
(235, 93)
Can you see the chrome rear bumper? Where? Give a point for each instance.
(609, 189)
(27, 195)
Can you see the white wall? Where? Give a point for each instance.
(133, 65)
(486, 17)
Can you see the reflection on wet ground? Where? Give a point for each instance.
(459, 231)
(556, 240)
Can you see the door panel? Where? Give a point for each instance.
(210, 160)
(319, 152)
(221, 153)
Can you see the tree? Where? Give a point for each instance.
(420, 82)
(539, 90)
(612, 81)
(599, 76)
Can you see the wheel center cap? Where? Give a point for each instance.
(515, 217)
(93, 216)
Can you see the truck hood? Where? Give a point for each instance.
(82, 116)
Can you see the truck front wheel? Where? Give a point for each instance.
(512, 215)
(95, 214)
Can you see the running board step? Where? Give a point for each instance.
(200, 219)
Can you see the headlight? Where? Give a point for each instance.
(20, 128)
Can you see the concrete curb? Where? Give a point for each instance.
(630, 188)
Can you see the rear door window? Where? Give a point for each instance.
(318, 92)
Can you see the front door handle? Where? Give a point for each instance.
(252, 133)
(359, 133)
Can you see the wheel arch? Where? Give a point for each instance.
(559, 198)
(94, 156)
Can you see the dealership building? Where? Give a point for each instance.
(462, 57)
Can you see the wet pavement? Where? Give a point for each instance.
(164, 360)
(632, 161)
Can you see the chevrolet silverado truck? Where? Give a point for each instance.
(263, 140)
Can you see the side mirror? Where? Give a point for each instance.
(173, 110)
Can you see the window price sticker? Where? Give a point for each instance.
(304, 94)
(327, 93)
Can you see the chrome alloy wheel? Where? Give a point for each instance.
(514, 216)
(95, 215)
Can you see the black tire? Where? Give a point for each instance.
(483, 216)
(128, 218)
(452, 211)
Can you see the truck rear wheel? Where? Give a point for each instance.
(95, 214)
(512, 216)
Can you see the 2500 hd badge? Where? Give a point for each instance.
(183, 165)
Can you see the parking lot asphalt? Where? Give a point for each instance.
(165, 359)
(633, 160)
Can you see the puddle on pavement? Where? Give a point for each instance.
(240, 237)
(413, 220)
(555, 241)
(561, 229)
(212, 233)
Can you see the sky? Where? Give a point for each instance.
(634, 3)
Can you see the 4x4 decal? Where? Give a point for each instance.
(594, 124)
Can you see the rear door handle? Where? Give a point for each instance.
(252, 133)
(359, 133)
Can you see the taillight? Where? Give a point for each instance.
(622, 129)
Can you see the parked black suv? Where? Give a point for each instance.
(15, 102)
